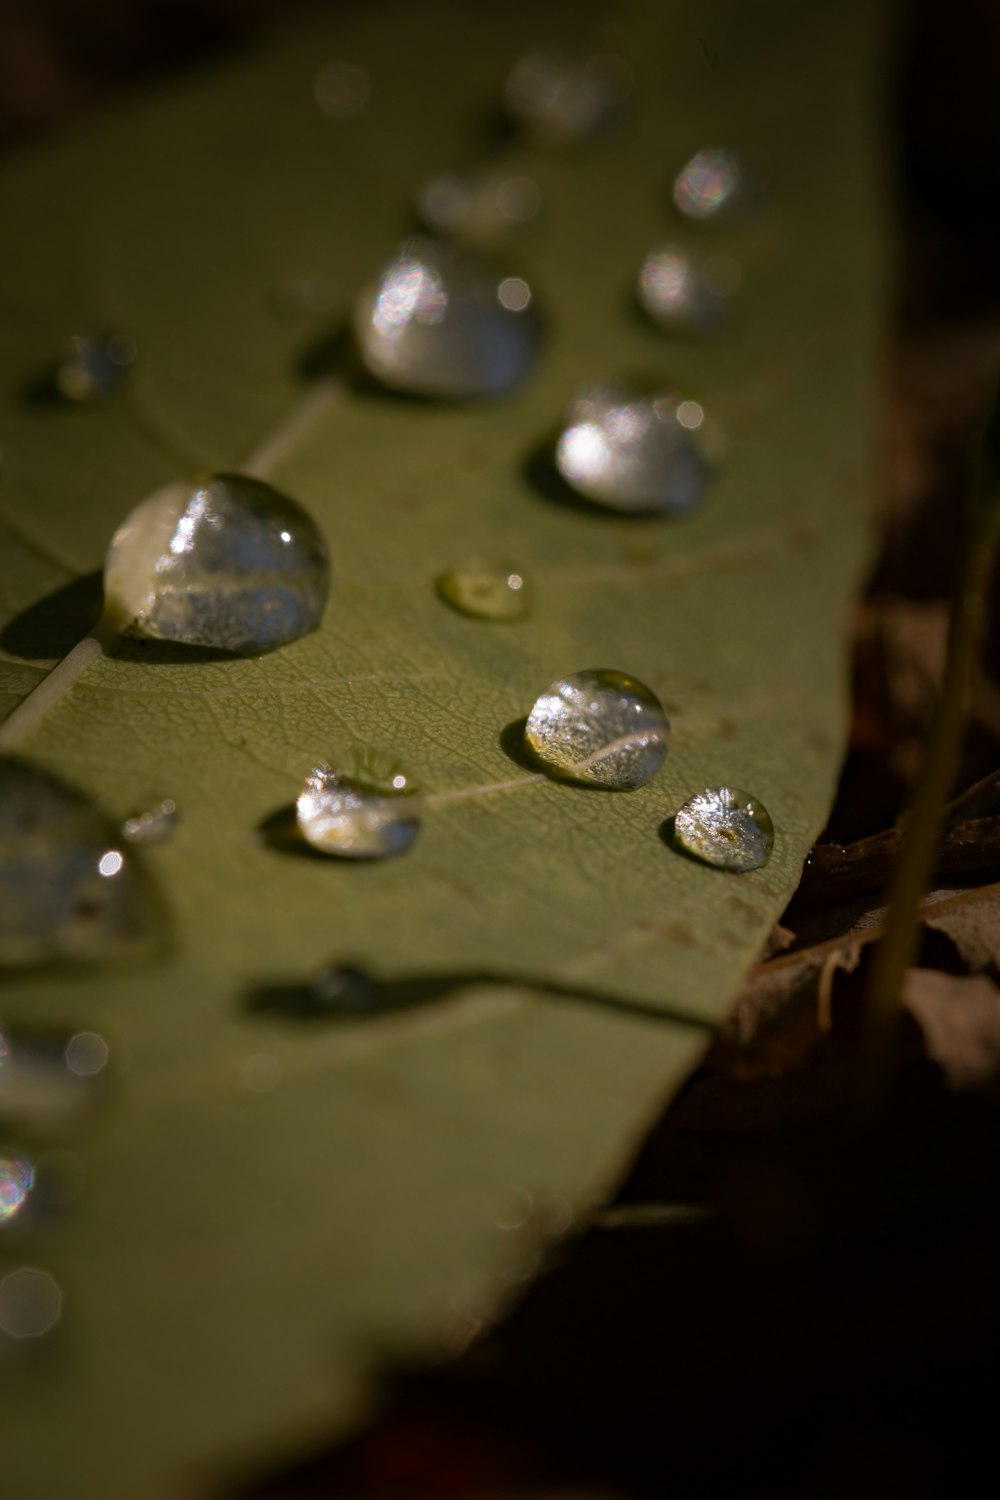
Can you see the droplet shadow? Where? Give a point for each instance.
(516, 748)
(153, 652)
(280, 832)
(51, 626)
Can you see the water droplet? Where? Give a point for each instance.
(633, 452)
(486, 590)
(477, 208)
(561, 99)
(434, 325)
(231, 564)
(17, 1177)
(599, 727)
(726, 827)
(346, 818)
(711, 183)
(93, 366)
(154, 826)
(30, 1303)
(67, 894)
(679, 295)
(342, 90)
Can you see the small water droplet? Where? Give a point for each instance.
(477, 208)
(486, 590)
(434, 325)
(342, 90)
(599, 727)
(561, 99)
(17, 1177)
(347, 818)
(634, 452)
(679, 294)
(711, 183)
(93, 366)
(154, 826)
(67, 894)
(231, 564)
(30, 1303)
(726, 827)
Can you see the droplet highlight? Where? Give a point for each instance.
(68, 892)
(17, 1178)
(637, 453)
(561, 100)
(486, 590)
(599, 727)
(153, 826)
(434, 325)
(93, 366)
(346, 818)
(230, 564)
(726, 827)
(710, 184)
(680, 295)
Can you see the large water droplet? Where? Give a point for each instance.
(561, 99)
(349, 819)
(93, 366)
(486, 590)
(726, 827)
(710, 184)
(231, 564)
(599, 727)
(153, 826)
(477, 208)
(436, 325)
(633, 452)
(67, 892)
(679, 294)
(17, 1177)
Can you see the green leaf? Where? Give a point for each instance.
(240, 1261)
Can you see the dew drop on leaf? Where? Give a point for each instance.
(710, 184)
(726, 827)
(67, 891)
(642, 454)
(230, 564)
(560, 99)
(93, 367)
(600, 727)
(153, 826)
(344, 817)
(435, 325)
(486, 590)
(17, 1177)
(680, 295)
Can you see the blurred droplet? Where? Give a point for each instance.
(486, 590)
(66, 893)
(342, 90)
(434, 325)
(93, 366)
(634, 452)
(154, 826)
(599, 727)
(680, 295)
(725, 827)
(514, 293)
(711, 183)
(231, 564)
(17, 1177)
(478, 208)
(38, 1088)
(344, 818)
(30, 1303)
(561, 99)
(86, 1054)
(261, 1073)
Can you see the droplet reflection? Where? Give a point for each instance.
(485, 590)
(708, 184)
(600, 727)
(17, 1177)
(634, 452)
(725, 827)
(680, 295)
(345, 818)
(94, 366)
(154, 826)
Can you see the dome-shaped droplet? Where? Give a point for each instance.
(92, 367)
(230, 564)
(486, 590)
(341, 816)
(680, 294)
(637, 453)
(17, 1177)
(68, 893)
(560, 99)
(599, 727)
(437, 324)
(726, 827)
(478, 208)
(710, 184)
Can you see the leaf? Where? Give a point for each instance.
(960, 1019)
(241, 1258)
